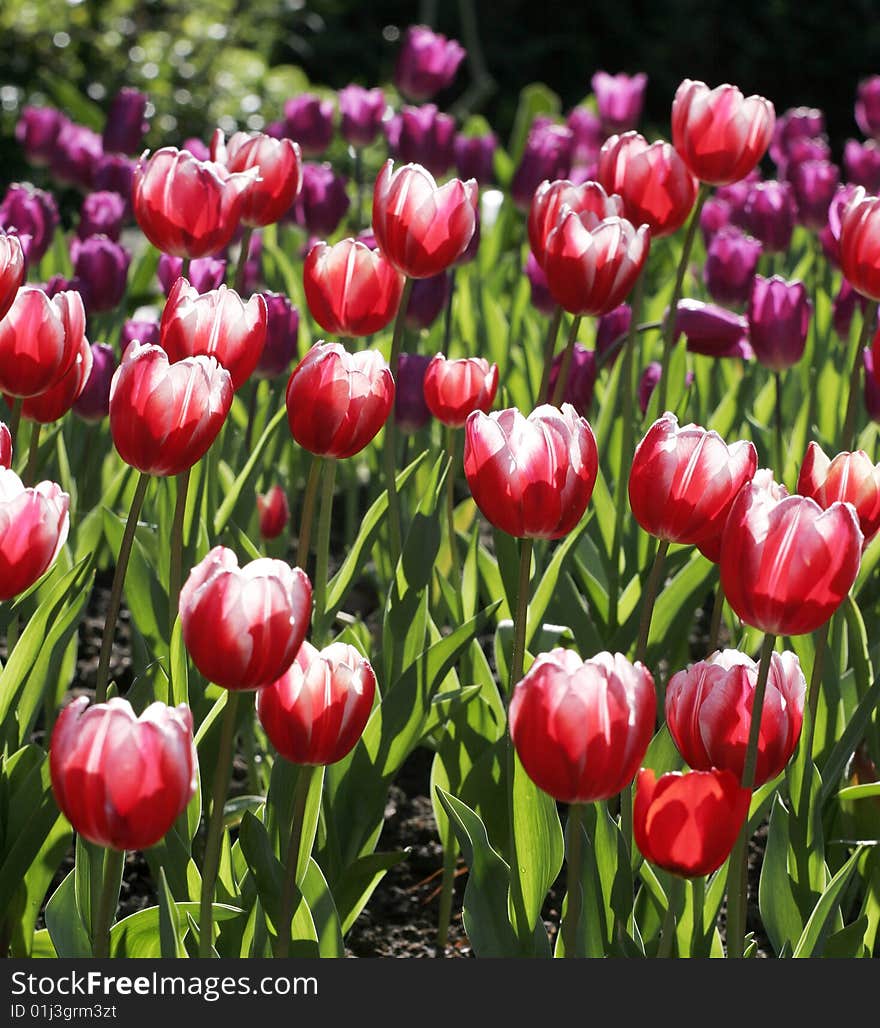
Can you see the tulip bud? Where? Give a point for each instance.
(102, 214)
(279, 164)
(323, 201)
(589, 201)
(427, 63)
(274, 512)
(37, 130)
(849, 478)
(731, 262)
(769, 214)
(126, 123)
(779, 319)
(859, 254)
(547, 156)
(115, 174)
(12, 271)
(580, 382)
(75, 156)
(454, 389)
(39, 340)
(33, 528)
(100, 267)
(309, 121)
(814, 184)
(93, 402)
(282, 329)
(146, 332)
(861, 164)
(619, 99)
(33, 213)
(475, 157)
(423, 135)
(205, 273)
(58, 399)
(410, 407)
(427, 298)
(362, 111)
(868, 107)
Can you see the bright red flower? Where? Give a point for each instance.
(456, 388)
(337, 401)
(688, 823)
(859, 243)
(243, 626)
(709, 712)
(279, 163)
(549, 199)
(351, 290)
(164, 417)
(531, 477)
(581, 728)
(121, 780)
(39, 340)
(33, 527)
(12, 270)
(850, 477)
(57, 400)
(720, 134)
(274, 512)
(316, 712)
(421, 228)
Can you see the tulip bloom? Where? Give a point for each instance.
(279, 163)
(93, 402)
(769, 214)
(786, 564)
(547, 155)
(163, 416)
(589, 199)
(410, 409)
(861, 164)
(100, 269)
(779, 319)
(102, 214)
(712, 331)
(187, 207)
(860, 243)
(421, 228)
(427, 63)
(619, 100)
(37, 130)
(362, 111)
(684, 481)
(652, 180)
(126, 122)
(337, 401)
(688, 823)
(850, 478)
(814, 184)
(475, 157)
(205, 274)
(351, 290)
(590, 266)
(795, 124)
(868, 106)
(282, 331)
(316, 712)
(242, 627)
(33, 213)
(12, 271)
(539, 293)
(323, 200)
(121, 780)
(581, 728)
(5, 446)
(581, 378)
(720, 134)
(423, 135)
(33, 527)
(75, 156)
(57, 400)
(274, 512)
(39, 340)
(611, 328)
(731, 263)
(309, 120)
(709, 712)
(454, 389)
(531, 477)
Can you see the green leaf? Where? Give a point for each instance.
(860, 792)
(138, 935)
(849, 942)
(247, 476)
(845, 746)
(355, 887)
(779, 910)
(324, 914)
(170, 928)
(811, 941)
(534, 99)
(547, 587)
(68, 934)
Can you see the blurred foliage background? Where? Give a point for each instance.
(234, 62)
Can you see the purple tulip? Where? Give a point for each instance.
(610, 328)
(101, 214)
(309, 120)
(205, 273)
(146, 332)
(779, 318)
(731, 262)
(253, 266)
(795, 123)
(362, 111)
(100, 266)
(475, 157)
(367, 237)
(872, 387)
(541, 298)
(422, 135)
(648, 383)
(830, 234)
(427, 63)
(714, 216)
(410, 410)
(322, 202)
(844, 307)
(33, 213)
(581, 379)
(37, 130)
(868, 107)
(78, 151)
(59, 284)
(814, 184)
(93, 403)
(712, 331)
(737, 192)
(427, 300)
(199, 149)
(800, 150)
(282, 329)
(114, 174)
(619, 99)
(587, 135)
(126, 125)
(769, 214)
(861, 164)
(547, 154)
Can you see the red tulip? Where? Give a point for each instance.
(337, 401)
(850, 477)
(279, 164)
(652, 180)
(860, 244)
(12, 270)
(590, 266)
(688, 823)
(351, 290)
(39, 340)
(243, 626)
(274, 512)
(454, 389)
(121, 780)
(581, 729)
(531, 477)
(215, 324)
(187, 207)
(421, 228)
(33, 527)
(316, 712)
(164, 417)
(709, 712)
(58, 399)
(720, 134)
(683, 481)
(786, 564)
(549, 199)
(5, 446)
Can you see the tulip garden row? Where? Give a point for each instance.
(561, 469)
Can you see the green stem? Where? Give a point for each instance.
(30, 471)
(300, 799)
(184, 268)
(717, 614)
(869, 323)
(650, 596)
(116, 589)
(308, 513)
(15, 418)
(698, 898)
(244, 251)
(617, 344)
(549, 350)
(447, 323)
(446, 890)
(211, 865)
(565, 367)
(322, 554)
(113, 863)
(737, 883)
(175, 571)
(251, 414)
(390, 450)
(450, 505)
(674, 898)
(780, 447)
(574, 838)
(672, 313)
